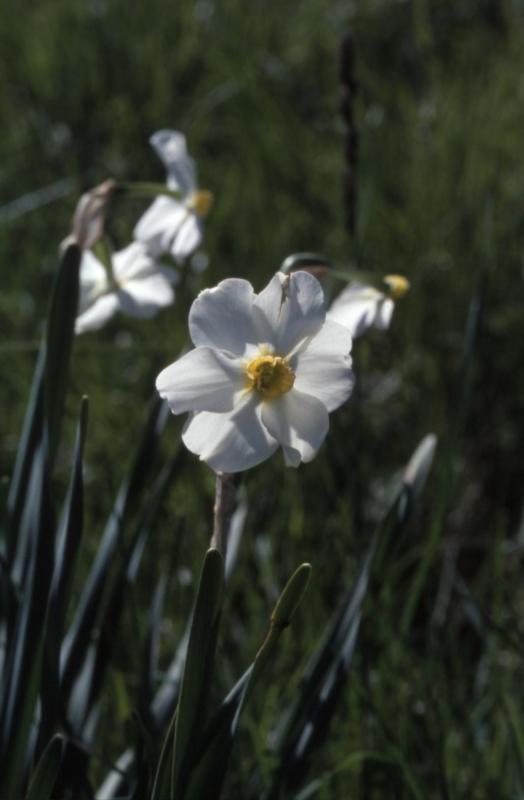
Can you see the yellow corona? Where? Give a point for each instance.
(200, 202)
(398, 285)
(270, 376)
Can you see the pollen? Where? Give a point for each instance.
(270, 376)
(398, 285)
(200, 202)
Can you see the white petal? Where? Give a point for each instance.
(384, 314)
(98, 314)
(93, 281)
(133, 261)
(144, 296)
(171, 148)
(230, 442)
(159, 225)
(223, 317)
(291, 456)
(187, 237)
(323, 367)
(293, 306)
(202, 380)
(359, 307)
(297, 421)
(91, 269)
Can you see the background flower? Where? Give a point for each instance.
(266, 371)
(171, 225)
(360, 307)
(139, 286)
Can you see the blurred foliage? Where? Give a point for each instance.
(440, 113)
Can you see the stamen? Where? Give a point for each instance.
(398, 285)
(270, 376)
(200, 202)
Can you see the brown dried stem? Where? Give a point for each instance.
(223, 510)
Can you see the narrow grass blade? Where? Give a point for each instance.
(79, 636)
(151, 650)
(46, 772)
(69, 537)
(29, 441)
(191, 712)
(212, 757)
(305, 725)
(315, 787)
(117, 586)
(22, 671)
(461, 409)
(59, 341)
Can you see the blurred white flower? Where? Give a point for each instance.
(139, 286)
(266, 371)
(170, 225)
(360, 307)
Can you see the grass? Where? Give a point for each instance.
(432, 706)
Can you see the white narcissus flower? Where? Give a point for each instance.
(170, 225)
(139, 286)
(361, 307)
(266, 371)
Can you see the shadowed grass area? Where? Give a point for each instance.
(432, 706)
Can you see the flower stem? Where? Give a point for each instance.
(223, 510)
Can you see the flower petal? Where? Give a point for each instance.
(359, 307)
(293, 308)
(297, 421)
(187, 237)
(223, 317)
(323, 367)
(134, 261)
(159, 224)
(98, 314)
(384, 314)
(171, 148)
(145, 296)
(230, 442)
(202, 380)
(93, 281)
(291, 456)
(91, 269)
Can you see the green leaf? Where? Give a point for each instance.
(191, 713)
(79, 636)
(29, 441)
(211, 759)
(59, 341)
(68, 542)
(46, 772)
(23, 664)
(305, 724)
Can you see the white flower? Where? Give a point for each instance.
(170, 225)
(139, 287)
(266, 371)
(361, 307)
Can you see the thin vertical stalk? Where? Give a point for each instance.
(223, 510)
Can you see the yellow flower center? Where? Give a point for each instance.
(398, 285)
(200, 202)
(270, 376)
